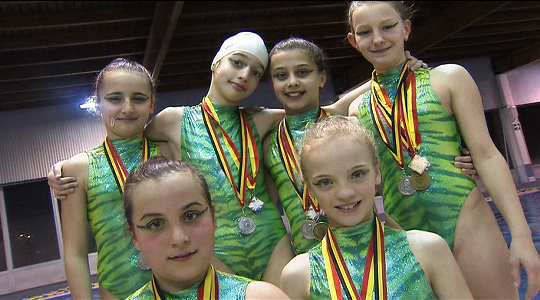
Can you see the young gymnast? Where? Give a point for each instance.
(359, 257)
(419, 119)
(172, 221)
(124, 96)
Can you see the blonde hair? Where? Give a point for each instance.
(333, 127)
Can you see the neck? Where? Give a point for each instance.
(171, 286)
(386, 68)
(292, 112)
(366, 219)
(217, 98)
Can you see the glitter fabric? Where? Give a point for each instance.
(230, 287)
(405, 277)
(437, 208)
(246, 255)
(291, 202)
(118, 271)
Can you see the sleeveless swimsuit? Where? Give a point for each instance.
(405, 276)
(437, 208)
(118, 271)
(246, 255)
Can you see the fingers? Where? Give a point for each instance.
(463, 159)
(465, 151)
(515, 272)
(533, 280)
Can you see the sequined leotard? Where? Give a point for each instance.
(118, 271)
(437, 208)
(289, 198)
(230, 287)
(405, 277)
(246, 255)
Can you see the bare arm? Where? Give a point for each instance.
(296, 277)
(439, 264)
(266, 119)
(74, 233)
(466, 104)
(264, 290)
(166, 126)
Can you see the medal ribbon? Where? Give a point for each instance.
(290, 160)
(340, 281)
(249, 156)
(209, 289)
(116, 163)
(401, 117)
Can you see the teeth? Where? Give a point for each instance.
(294, 94)
(350, 206)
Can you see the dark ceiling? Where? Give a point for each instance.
(50, 51)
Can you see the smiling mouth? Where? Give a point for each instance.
(294, 94)
(183, 257)
(348, 206)
(238, 86)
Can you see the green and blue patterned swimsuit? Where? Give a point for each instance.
(118, 271)
(230, 287)
(405, 276)
(291, 202)
(246, 255)
(437, 208)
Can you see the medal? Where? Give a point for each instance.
(405, 186)
(246, 225)
(319, 231)
(419, 164)
(420, 182)
(307, 229)
(256, 204)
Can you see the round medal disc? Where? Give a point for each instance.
(420, 182)
(307, 229)
(319, 230)
(246, 225)
(405, 187)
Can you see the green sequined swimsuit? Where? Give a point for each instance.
(118, 271)
(291, 202)
(437, 208)
(246, 255)
(230, 287)
(405, 277)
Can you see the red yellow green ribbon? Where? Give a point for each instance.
(209, 289)
(249, 155)
(339, 278)
(116, 163)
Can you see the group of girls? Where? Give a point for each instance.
(327, 187)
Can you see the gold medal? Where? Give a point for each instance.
(420, 182)
(319, 231)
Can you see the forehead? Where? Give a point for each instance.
(374, 13)
(336, 151)
(291, 57)
(125, 79)
(168, 194)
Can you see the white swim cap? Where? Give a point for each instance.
(248, 42)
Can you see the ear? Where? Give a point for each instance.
(152, 105)
(352, 40)
(134, 238)
(323, 80)
(378, 177)
(214, 217)
(407, 29)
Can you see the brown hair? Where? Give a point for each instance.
(293, 43)
(404, 11)
(332, 127)
(158, 168)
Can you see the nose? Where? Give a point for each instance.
(345, 192)
(293, 81)
(127, 107)
(378, 37)
(243, 74)
(179, 235)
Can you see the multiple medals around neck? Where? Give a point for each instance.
(209, 289)
(339, 278)
(246, 161)
(402, 119)
(311, 229)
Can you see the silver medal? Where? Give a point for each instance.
(307, 229)
(246, 225)
(256, 204)
(405, 186)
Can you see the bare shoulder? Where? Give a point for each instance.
(449, 72)
(267, 119)
(76, 166)
(171, 114)
(264, 290)
(296, 277)
(426, 243)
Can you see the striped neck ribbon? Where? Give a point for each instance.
(116, 163)
(209, 289)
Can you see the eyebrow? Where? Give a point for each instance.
(189, 205)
